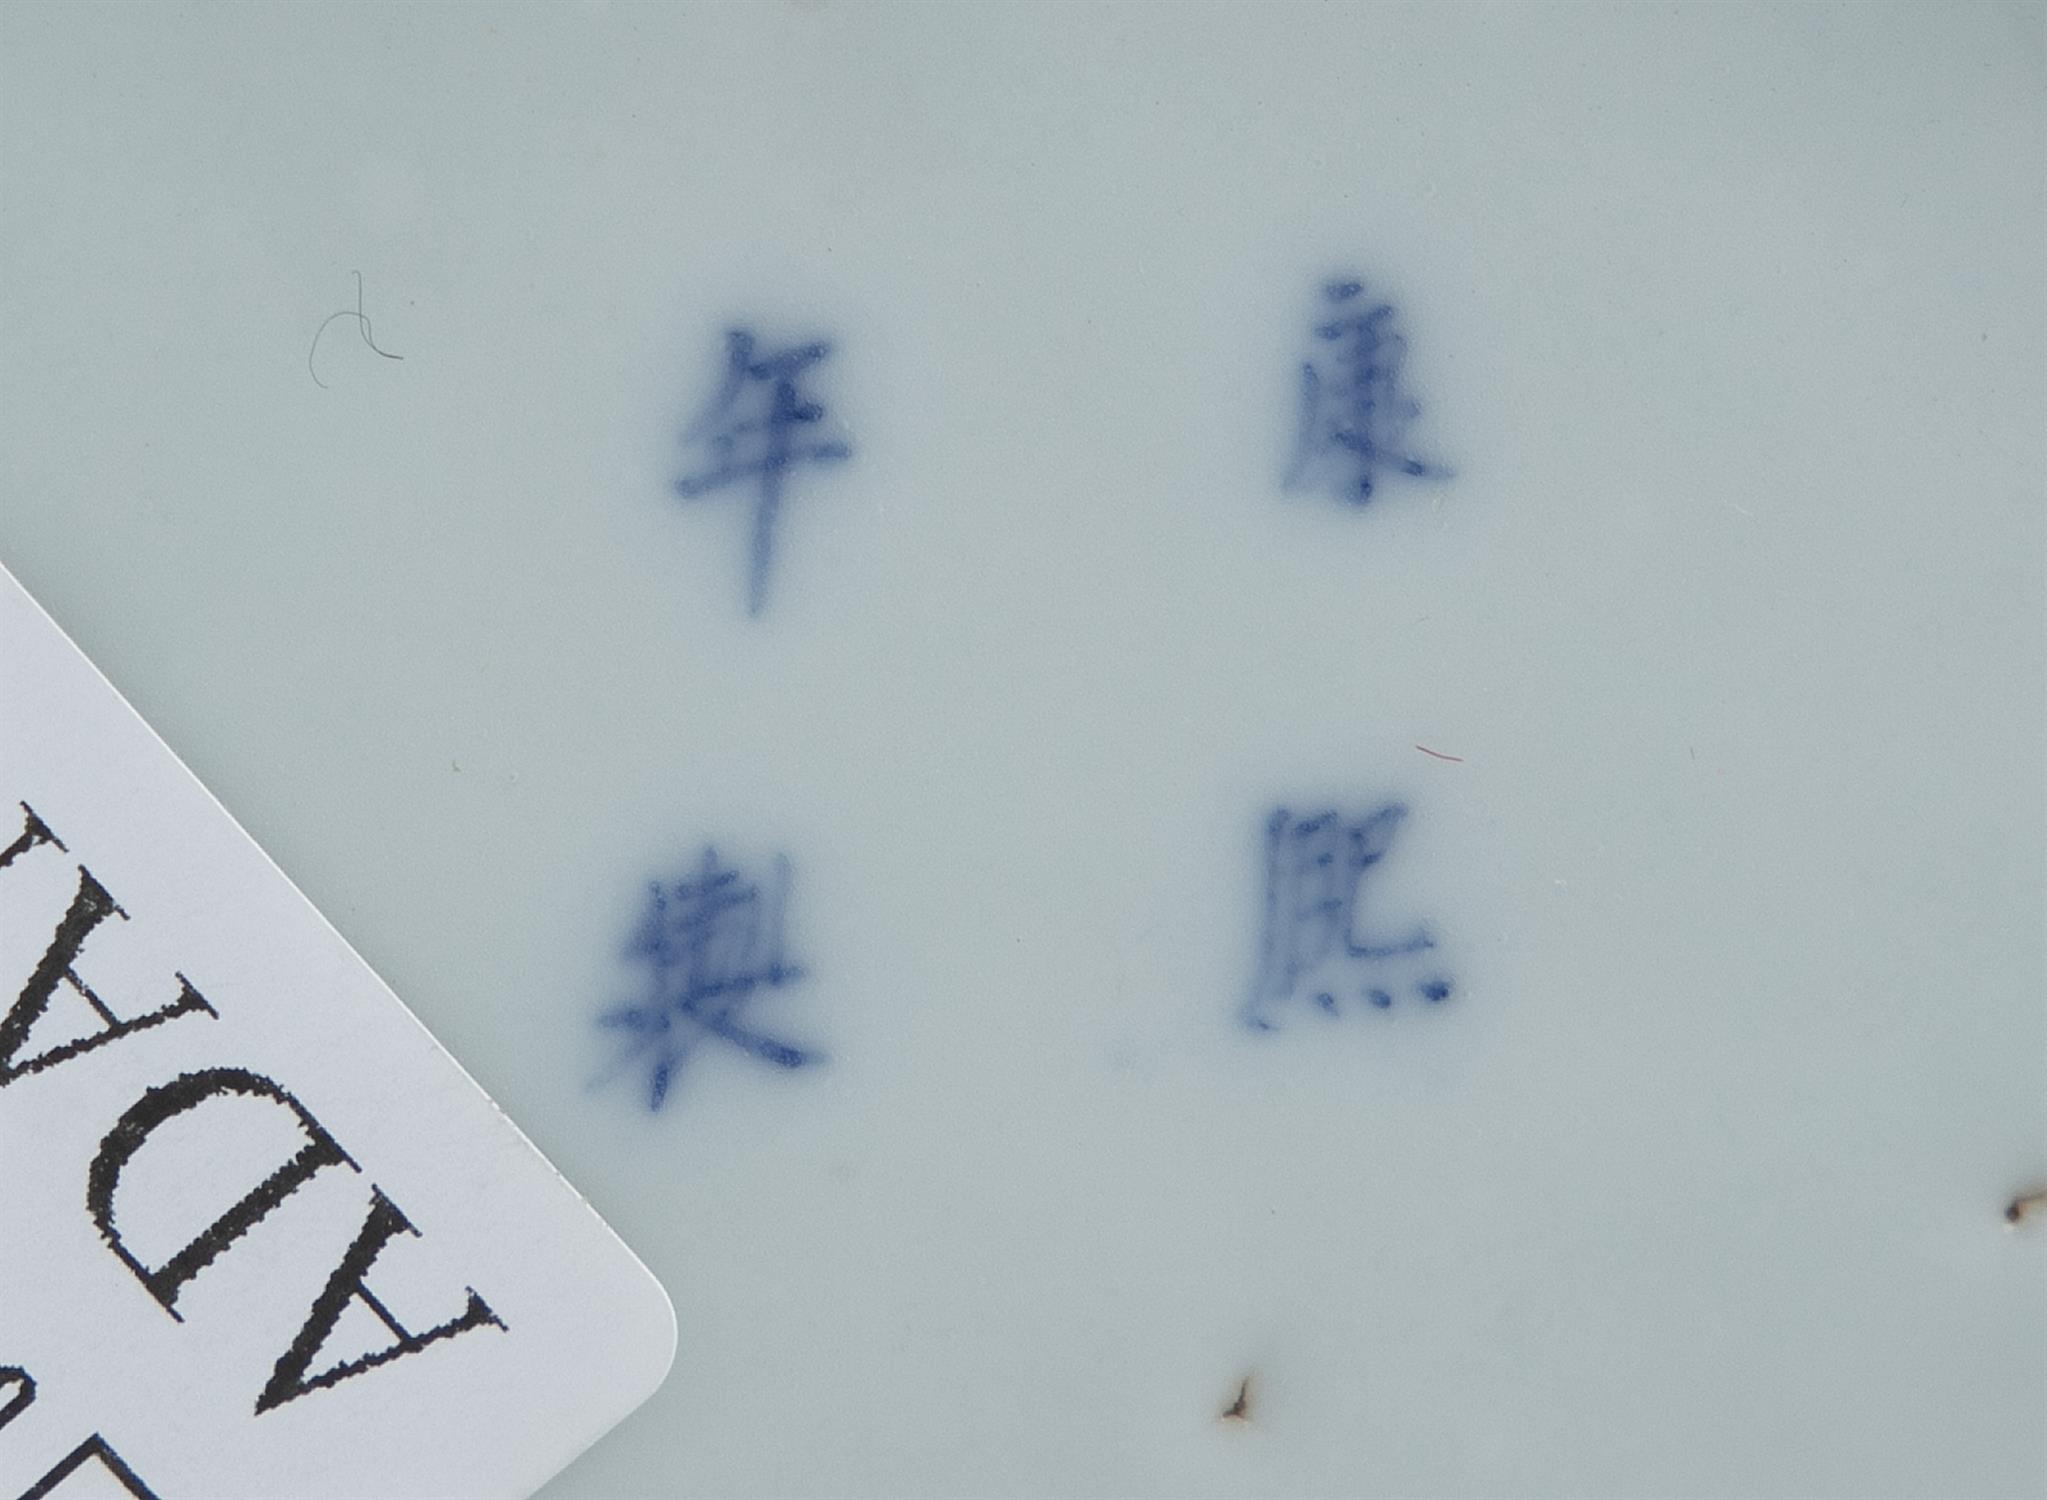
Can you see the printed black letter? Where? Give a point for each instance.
(91, 906)
(188, 1091)
(290, 1381)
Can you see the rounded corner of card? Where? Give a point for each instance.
(663, 1347)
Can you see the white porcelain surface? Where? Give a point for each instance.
(1730, 322)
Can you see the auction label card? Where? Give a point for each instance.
(259, 1234)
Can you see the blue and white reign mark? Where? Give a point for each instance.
(758, 429)
(1354, 415)
(710, 945)
(1321, 944)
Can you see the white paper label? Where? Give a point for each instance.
(259, 1234)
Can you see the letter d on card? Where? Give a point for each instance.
(259, 1235)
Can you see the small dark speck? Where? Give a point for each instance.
(1435, 991)
(2025, 1206)
(1239, 1410)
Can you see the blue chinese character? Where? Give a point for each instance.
(1315, 942)
(1354, 416)
(753, 433)
(712, 943)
